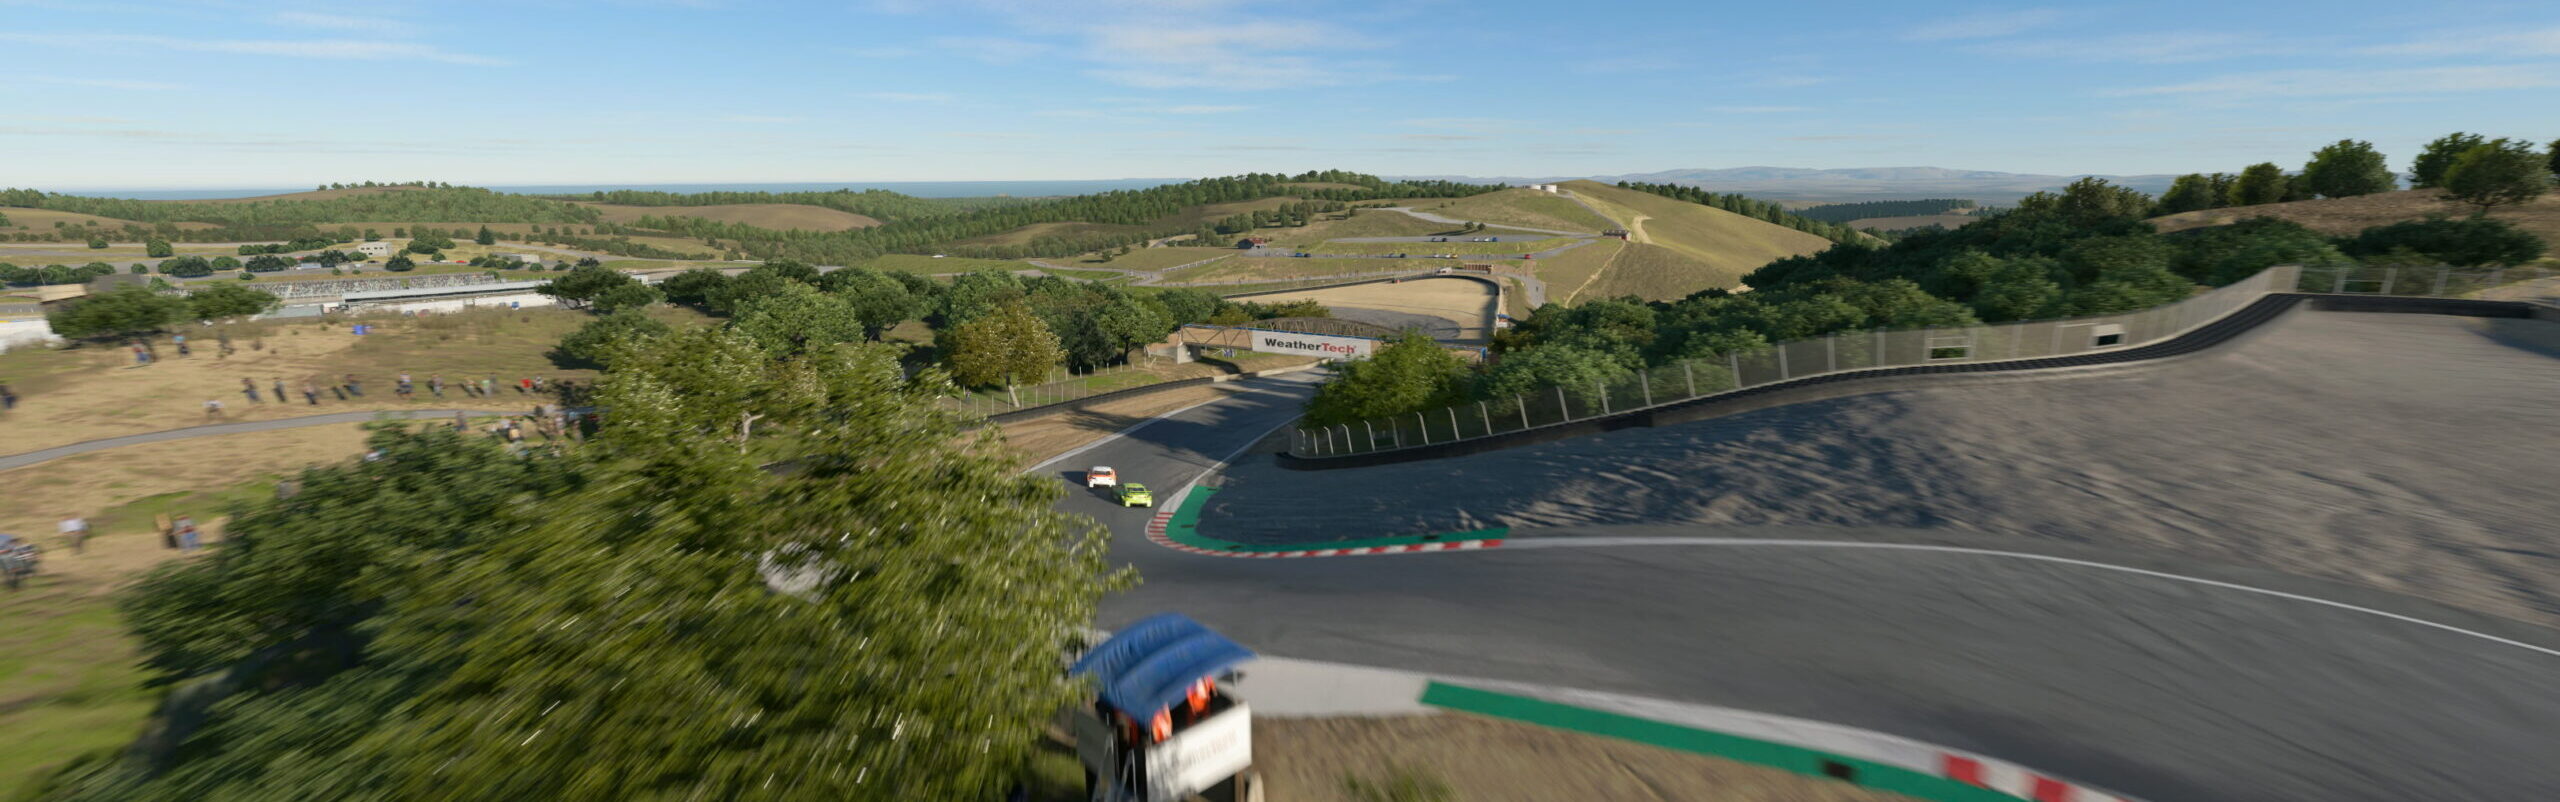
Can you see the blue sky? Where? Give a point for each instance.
(204, 93)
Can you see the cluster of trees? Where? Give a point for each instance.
(658, 613)
(879, 204)
(1120, 217)
(1751, 207)
(131, 310)
(2083, 251)
(1845, 212)
(299, 243)
(2469, 168)
(14, 275)
(426, 204)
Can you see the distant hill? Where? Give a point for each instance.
(1851, 184)
(1696, 247)
(2346, 216)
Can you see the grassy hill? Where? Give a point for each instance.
(779, 216)
(314, 195)
(1717, 246)
(1521, 207)
(1568, 274)
(2346, 216)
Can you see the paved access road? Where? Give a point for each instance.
(2159, 689)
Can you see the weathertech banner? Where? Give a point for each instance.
(1316, 345)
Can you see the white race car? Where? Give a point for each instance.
(1100, 476)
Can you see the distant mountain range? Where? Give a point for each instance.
(1842, 185)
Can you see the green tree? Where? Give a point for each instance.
(2428, 170)
(2499, 172)
(2261, 183)
(2464, 242)
(582, 286)
(2190, 192)
(634, 295)
(124, 312)
(2348, 168)
(601, 338)
(1534, 374)
(228, 301)
(97, 243)
(140, 270)
(485, 237)
(693, 287)
(186, 267)
(398, 263)
(157, 248)
(1007, 345)
(225, 263)
(2090, 200)
(878, 300)
(2554, 164)
(1410, 374)
(797, 318)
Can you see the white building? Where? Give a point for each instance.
(375, 249)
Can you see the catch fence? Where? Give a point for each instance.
(1848, 352)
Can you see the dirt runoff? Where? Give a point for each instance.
(1047, 436)
(1445, 308)
(2407, 453)
(1491, 760)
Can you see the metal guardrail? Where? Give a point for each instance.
(1851, 352)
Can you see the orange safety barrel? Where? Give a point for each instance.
(1199, 695)
(1161, 726)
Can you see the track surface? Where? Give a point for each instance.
(2163, 690)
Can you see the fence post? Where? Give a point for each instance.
(1373, 434)
(1783, 372)
(1880, 361)
(2057, 340)
(1646, 376)
(2389, 276)
(2017, 332)
(1831, 352)
(1523, 400)
(1689, 373)
(1328, 440)
(1423, 427)
(1733, 362)
(1453, 425)
(1563, 408)
(1485, 412)
(2341, 285)
(2440, 274)
(1603, 387)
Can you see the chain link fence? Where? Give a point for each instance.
(1854, 351)
(1064, 385)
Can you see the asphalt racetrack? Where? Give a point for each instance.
(2160, 689)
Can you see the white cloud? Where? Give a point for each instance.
(2355, 83)
(2148, 48)
(1986, 25)
(107, 83)
(1230, 45)
(910, 97)
(2543, 42)
(342, 22)
(1758, 109)
(307, 48)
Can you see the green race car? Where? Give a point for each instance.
(1136, 495)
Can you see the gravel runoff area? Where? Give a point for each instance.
(2407, 453)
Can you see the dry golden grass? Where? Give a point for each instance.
(1149, 258)
(1521, 207)
(764, 215)
(1466, 303)
(43, 220)
(2347, 216)
(1566, 274)
(91, 392)
(1284, 268)
(317, 194)
(1651, 272)
(1025, 234)
(1724, 245)
(1492, 760)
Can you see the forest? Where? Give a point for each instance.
(419, 205)
(874, 203)
(1845, 212)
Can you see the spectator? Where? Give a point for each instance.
(189, 539)
(405, 389)
(435, 385)
(489, 387)
(461, 423)
(354, 387)
(8, 398)
(281, 395)
(179, 340)
(141, 357)
(75, 529)
(213, 408)
(249, 387)
(310, 392)
(524, 386)
(537, 384)
(168, 530)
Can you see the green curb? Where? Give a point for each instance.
(1184, 528)
(1866, 774)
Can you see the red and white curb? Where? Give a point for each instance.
(1164, 518)
(2006, 778)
